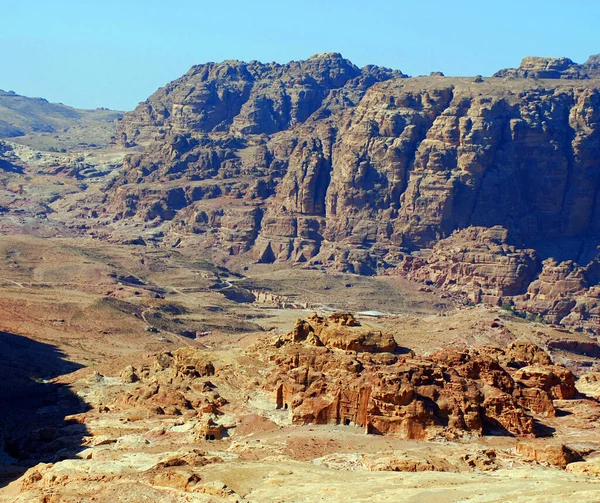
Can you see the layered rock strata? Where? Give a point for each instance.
(322, 160)
(323, 163)
(553, 68)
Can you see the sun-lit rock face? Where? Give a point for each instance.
(387, 390)
(363, 158)
(553, 68)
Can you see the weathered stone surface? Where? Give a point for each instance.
(451, 393)
(565, 293)
(342, 331)
(173, 384)
(251, 98)
(557, 381)
(477, 261)
(128, 375)
(323, 163)
(554, 454)
(553, 68)
(400, 164)
(591, 467)
(522, 354)
(8, 161)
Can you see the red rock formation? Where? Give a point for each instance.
(450, 393)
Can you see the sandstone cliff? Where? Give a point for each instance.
(319, 161)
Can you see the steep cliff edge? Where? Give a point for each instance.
(319, 161)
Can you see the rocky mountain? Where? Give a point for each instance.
(366, 170)
(253, 98)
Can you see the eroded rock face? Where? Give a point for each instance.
(521, 354)
(565, 293)
(323, 163)
(8, 161)
(350, 166)
(451, 393)
(342, 331)
(251, 98)
(554, 455)
(553, 68)
(557, 381)
(477, 261)
(479, 264)
(173, 384)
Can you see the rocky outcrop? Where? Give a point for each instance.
(477, 261)
(558, 382)
(522, 354)
(172, 384)
(8, 161)
(553, 68)
(450, 393)
(592, 66)
(554, 454)
(565, 293)
(479, 265)
(342, 331)
(251, 98)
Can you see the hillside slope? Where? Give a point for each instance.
(20, 115)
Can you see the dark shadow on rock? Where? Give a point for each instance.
(403, 351)
(542, 430)
(33, 410)
(11, 168)
(583, 348)
(563, 413)
(239, 295)
(493, 428)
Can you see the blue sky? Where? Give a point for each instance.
(116, 53)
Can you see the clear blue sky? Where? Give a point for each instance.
(116, 53)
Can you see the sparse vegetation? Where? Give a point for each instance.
(533, 317)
